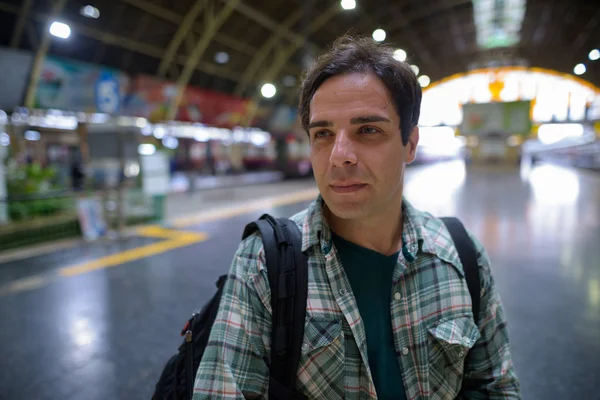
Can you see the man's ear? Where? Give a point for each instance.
(410, 150)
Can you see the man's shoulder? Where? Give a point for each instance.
(249, 258)
(439, 237)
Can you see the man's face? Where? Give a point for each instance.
(356, 147)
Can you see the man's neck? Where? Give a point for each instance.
(381, 232)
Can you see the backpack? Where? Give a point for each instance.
(287, 269)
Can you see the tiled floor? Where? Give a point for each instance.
(106, 334)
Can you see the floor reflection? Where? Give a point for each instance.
(110, 332)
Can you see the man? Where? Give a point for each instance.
(388, 312)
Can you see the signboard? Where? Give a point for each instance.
(511, 118)
(108, 97)
(75, 86)
(151, 98)
(155, 174)
(91, 218)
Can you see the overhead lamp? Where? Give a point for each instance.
(348, 4)
(400, 55)
(424, 81)
(60, 30)
(268, 90)
(32, 136)
(415, 69)
(594, 54)
(90, 12)
(222, 57)
(579, 69)
(4, 139)
(146, 149)
(379, 35)
(170, 142)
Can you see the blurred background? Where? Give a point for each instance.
(138, 137)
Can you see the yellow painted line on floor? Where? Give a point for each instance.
(177, 240)
(261, 204)
(24, 284)
(156, 231)
(173, 239)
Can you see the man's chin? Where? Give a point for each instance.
(344, 208)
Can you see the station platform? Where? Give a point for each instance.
(99, 320)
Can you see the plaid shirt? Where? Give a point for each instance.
(433, 325)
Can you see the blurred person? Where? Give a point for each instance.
(388, 312)
(77, 174)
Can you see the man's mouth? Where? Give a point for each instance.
(347, 187)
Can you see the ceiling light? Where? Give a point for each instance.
(379, 35)
(268, 90)
(32, 135)
(579, 69)
(348, 4)
(4, 139)
(146, 149)
(60, 30)
(594, 55)
(221, 57)
(415, 69)
(424, 81)
(90, 12)
(400, 55)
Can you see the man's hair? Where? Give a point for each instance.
(363, 55)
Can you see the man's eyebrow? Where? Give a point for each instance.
(320, 124)
(368, 119)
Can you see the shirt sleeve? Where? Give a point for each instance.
(234, 364)
(489, 370)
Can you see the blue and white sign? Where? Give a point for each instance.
(107, 94)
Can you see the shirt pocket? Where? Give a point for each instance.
(450, 339)
(322, 363)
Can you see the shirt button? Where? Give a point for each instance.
(343, 292)
(405, 351)
(461, 353)
(305, 347)
(397, 296)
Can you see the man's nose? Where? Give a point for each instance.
(343, 152)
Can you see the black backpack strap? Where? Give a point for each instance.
(288, 278)
(468, 257)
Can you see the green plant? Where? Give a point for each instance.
(26, 184)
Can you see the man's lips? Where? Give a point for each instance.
(347, 187)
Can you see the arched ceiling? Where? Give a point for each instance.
(269, 40)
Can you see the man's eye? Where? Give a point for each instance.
(321, 134)
(368, 130)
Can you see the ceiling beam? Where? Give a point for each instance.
(586, 32)
(212, 26)
(176, 19)
(284, 54)
(40, 55)
(264, 20)
(183, 30)
(265, 50)
(18, 32)
(128, 44)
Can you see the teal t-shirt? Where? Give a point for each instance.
(370, 275)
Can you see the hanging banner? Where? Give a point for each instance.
(151, 97)
(76, 86)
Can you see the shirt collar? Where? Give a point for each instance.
(317, 231)
(421, 232)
